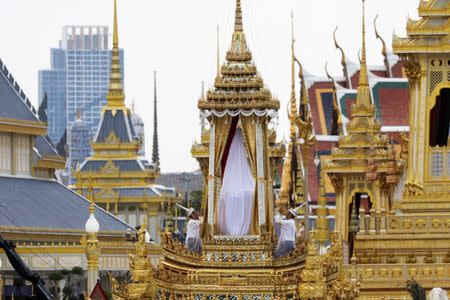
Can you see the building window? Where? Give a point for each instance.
(22, 150)
(5, 153)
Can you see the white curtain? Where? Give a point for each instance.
(236, 196)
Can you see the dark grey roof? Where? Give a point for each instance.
(40, 203)
(119, 123)
(44, 146)
(14, 104)
(123, 165)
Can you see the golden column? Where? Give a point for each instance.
(92, 249)
(322, 225)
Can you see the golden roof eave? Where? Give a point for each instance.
(23, 127)
(52, 162)
(428, 9)
(420, 45)
(235, 105)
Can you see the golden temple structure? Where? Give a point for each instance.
(396, 227)
(244, 266)
(392, 214)
(122, 181)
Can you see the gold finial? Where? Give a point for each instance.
(384, 49)
(363, 94)
(343, 59)
(238, 17)
(116, 94)
(238, 42)
(335, 103)
(116, 33)
(363, 78)
(217, 54)
(78, 113)
(377, 34)
(293, 54)
(91, 207)
(90, 194)
(293, 103)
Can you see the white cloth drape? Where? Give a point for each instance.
(235, 207)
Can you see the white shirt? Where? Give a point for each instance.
(287, 228)
(193, 229)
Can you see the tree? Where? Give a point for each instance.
(68, 290)
(196, 199)
(77, 272)
(56, 277)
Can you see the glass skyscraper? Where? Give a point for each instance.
(78, 78)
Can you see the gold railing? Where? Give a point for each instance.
(439, 162)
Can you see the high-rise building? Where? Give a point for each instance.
(77, 79)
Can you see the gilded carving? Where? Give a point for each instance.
(412, 69)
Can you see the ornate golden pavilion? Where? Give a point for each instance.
(396, 226)
(121, 180)
(240, 267)
(392, 215)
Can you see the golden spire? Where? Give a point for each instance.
(217, 55)
(238, 17)
(293, 103)
(363, 95)
(116, 95)
(238, 44)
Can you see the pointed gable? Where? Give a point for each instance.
(14, 104)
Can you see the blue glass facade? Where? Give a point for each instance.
(78, 79)
(53, 82)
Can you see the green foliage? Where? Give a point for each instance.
(77, 271)
(196, 199)
(65, 272)
(55, 276)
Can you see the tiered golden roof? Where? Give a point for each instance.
(428, 34)
(239, 85)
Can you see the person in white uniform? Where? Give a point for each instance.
(193, 241)
(438, 294)
(286, 241)
(288, 232)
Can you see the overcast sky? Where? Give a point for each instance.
(178, 39)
